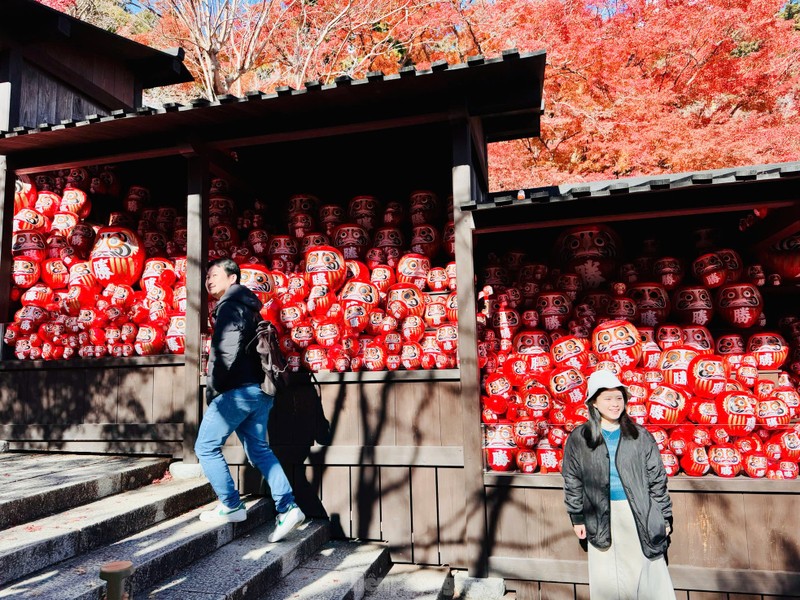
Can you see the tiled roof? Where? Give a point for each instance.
(411, 92)
(708, 192)
(636, 185)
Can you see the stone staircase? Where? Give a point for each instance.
(63, 517)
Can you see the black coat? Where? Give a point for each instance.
(587, 488)
(230, 363)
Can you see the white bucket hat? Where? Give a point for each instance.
(603, 380)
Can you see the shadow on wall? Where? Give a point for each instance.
(106, 409)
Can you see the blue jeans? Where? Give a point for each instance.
(244, 410)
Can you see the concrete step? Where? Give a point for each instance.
(243, 569)
(466, 587)
(32, 546)
(156, 552)
(404, 582)
(37, 485)
(340, 570)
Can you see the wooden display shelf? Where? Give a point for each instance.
(678, 483)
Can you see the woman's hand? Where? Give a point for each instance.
(580, 531)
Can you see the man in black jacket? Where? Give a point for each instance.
(237, 403)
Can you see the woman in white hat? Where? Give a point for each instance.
(615, 489)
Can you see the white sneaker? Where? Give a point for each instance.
(285, 522)
(223, 514)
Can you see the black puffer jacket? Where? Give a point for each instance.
(587, 488)
(230, 363)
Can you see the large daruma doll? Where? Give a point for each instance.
(117, 256)
(591, 251)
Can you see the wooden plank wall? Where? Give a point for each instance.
(726, 545)
(394, 470)
(44, 99)
(93, 409)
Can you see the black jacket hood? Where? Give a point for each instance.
(242, 295)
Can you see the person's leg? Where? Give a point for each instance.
(253, 434)
(221, 418)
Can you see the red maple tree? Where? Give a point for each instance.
(631, 87)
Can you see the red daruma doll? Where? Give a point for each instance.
(707, 375)
(667, 405)
(568, 385)
(117, 256)
(695, 460)
(737, 412)
(325, 265)
(619, 341)
(404, 299)
(149, 340)
(725, 460)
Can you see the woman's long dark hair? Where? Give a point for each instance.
(593, 433)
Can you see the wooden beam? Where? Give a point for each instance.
(678, 483)
(359, 456)
(104, 447)
(129, 432)
(522, 224)
(100, 155)
(241, 140)
(684, 577)
(777, 226)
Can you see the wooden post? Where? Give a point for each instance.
(464, 191)
(196, 302)
(7, 189)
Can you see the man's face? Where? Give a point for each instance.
(218, 282)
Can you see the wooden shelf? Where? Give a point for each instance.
(678, 483)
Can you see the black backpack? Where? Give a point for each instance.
(273, 362)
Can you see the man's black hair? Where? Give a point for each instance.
(229, 266)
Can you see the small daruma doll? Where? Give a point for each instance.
(667, 405)
(618, 341)
(414, 268)
(150, 339)
(325, 265)
(403, 300)
(692, 304)
(725, 459)
(553, 308)
(674, 364)
(739, 304)
(769, 348)
(737, 412)
(707, 375)
(652, 302)
(570, 351)
(709, 270)
(568, 385)
(352, 239)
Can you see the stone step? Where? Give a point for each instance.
(156, 552)
(32, 546)
(340, 570)
(243, 569)
(37, 485)
(420, 582)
